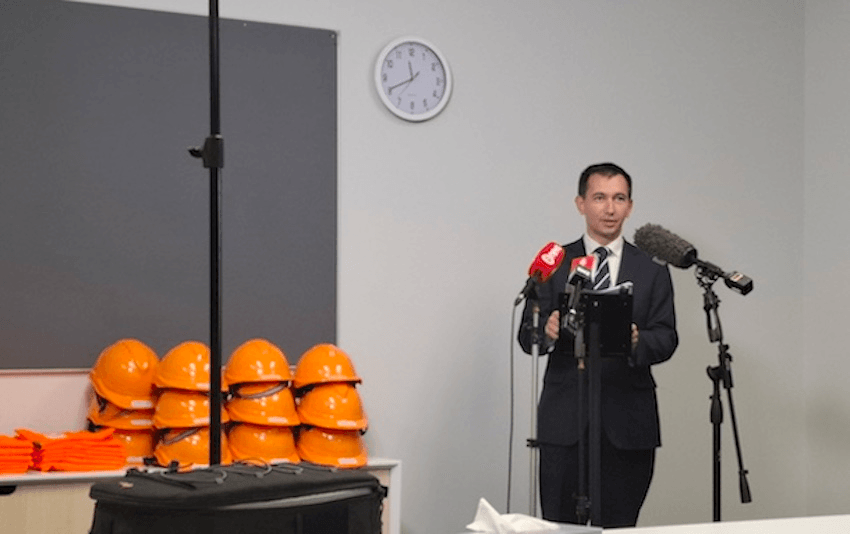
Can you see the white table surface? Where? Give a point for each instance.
(830, 524)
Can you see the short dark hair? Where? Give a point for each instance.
(605, 169)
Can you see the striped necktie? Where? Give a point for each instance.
(603, 275)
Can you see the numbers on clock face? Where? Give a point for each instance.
(413, 78)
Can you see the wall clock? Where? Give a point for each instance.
(413, 79)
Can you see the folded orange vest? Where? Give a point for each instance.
(75, 451)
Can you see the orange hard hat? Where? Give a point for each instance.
(336, 405)
(186, 366)
(178, 408)
(139, 444)
(124, 373)
(189, 448)
(338, 448)
(263, 404)
(270, 444)
(324, 363)
(257, 360)
(104, 413)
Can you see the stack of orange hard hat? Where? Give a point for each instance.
(261, 405)
(330, 409)
(182, 411)
(134, 428)
(124, 394)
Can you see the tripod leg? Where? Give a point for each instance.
(716, 421)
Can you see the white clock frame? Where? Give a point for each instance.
(429, 81)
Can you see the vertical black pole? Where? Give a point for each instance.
(215, 247)
(583, 497)
(212, 154)
(595, 415)
(716, 420)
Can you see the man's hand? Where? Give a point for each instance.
(635, 336)
(553, 325)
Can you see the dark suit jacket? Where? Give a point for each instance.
(629, 408)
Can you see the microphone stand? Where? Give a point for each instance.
(212, 154)
(583, 501)
(575, 322)
(722, 373)
(535, 373)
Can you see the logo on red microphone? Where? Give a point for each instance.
(551, 256)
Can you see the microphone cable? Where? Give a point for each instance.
(511, 417)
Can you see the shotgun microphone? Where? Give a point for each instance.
(672, 249)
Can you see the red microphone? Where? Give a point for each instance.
(581, 269)
(547, 261)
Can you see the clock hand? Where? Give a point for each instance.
(409, 66)
(390, 90)
(399, 85)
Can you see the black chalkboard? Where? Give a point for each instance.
(104, 215)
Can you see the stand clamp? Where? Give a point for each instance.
(212, 153)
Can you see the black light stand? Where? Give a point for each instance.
(212, 154)
(722, 373)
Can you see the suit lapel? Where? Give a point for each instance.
(627, 264)
(574, 250)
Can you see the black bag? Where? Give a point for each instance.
(257, 499)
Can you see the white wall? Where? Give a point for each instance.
(703, 102)
(826, 293)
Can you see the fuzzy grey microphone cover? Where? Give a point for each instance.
(665, 245)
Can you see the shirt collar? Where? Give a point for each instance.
(615, 247)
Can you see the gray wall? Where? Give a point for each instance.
(825, 199)
(106, 216)
(704, 103)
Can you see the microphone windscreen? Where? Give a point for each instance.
(665, 245)
(547, 261)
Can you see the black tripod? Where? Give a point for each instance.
(722, 373)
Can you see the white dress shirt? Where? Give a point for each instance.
(615, 254)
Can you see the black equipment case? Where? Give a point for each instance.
(240, 498)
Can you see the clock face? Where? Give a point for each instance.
(413, 79)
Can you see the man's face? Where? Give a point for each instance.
(605, 206)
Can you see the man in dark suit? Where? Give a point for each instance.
(628, 406)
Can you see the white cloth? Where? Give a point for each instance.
(487, 519)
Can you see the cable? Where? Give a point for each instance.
(511, 418)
